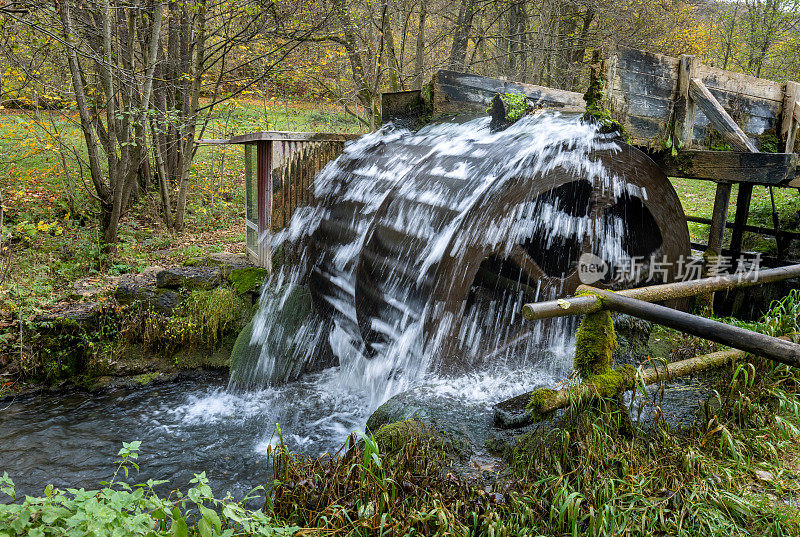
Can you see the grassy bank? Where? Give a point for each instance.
(51, 252)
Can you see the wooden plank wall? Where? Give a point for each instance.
(459, 92)
(641, 88)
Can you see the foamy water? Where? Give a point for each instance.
(377, 315)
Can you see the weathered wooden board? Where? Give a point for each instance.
(775, 169)
(641, 93)
(645, 85)
(458, 92)
(740, 83)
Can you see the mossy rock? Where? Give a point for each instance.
(243, 352)
(415, 437)
(247, 279)
(192, 278)
(285, 341)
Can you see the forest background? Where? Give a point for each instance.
(101, 102)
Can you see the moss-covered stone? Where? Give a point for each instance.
(145, 378)
(286, 319)
(595, 342)
(243, 352)
(394, 436)
(247, 279)
(540, 401)
(415, 435)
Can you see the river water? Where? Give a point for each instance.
(194, 425)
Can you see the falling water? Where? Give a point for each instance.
(434, 193)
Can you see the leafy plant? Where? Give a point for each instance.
(123, 509)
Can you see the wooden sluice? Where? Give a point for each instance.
(679, 111)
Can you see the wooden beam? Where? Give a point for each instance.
(718, 117)
(585, 304)
(288, 136)
(789, 119)
(776, 169)
(756, 343)
(685, 106)
(461, 92)
(752, 229)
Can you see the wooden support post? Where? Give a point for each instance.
(718, 219)
(743, 199)
(264, 182)
(716, 234)
(685, 106)
(789, 119)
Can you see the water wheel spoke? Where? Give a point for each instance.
(525, 262)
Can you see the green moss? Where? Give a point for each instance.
(595, 342)
(394, 436)
(769, 143)
(426, 93)
(414, 436)
(243, 351)
(540, 400)
(613, 382)
(516, 105)
(596, 112)
(145, 378)
(247, 279)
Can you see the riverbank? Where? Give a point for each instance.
(143, 327)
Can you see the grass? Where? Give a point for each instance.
(697, 198)
(50, 231)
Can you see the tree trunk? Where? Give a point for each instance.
(461, 31)
(419, 60)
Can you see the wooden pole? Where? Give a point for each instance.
(789, 120)
(537, 404)
(739, 338)
(581, 305)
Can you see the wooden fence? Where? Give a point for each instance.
(279, 174)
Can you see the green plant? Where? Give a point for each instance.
(121, 509)
(516, 105)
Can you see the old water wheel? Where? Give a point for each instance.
(452, 228)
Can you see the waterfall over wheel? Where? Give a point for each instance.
(428, 243)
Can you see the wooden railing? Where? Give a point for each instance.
(279, 174)
(598, 378)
